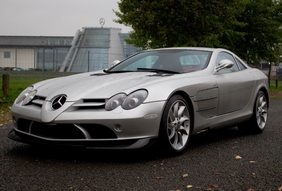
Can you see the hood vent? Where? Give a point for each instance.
(99, 74)
(90, 103)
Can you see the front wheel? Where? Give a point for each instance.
(258, 121)
(175, 125)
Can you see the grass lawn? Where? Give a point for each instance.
(17, 85)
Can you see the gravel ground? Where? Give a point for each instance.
(224, 160)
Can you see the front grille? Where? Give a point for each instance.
(66, 131)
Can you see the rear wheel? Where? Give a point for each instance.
(258, 121)
(175, 125)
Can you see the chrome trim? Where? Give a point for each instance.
(85, 133)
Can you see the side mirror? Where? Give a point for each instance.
(224, 64)
(115, 62)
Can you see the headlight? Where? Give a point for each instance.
(29, 97)
(134, 99)
(131, 101)
(115, 101)
(26, 96)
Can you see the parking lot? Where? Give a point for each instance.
(222, 160)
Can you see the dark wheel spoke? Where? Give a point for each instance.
(171, 134)
(180, 137)
(184, 119)
(180, 111)
(183, 131)
(175, 109)
(175, 140)
(171, 116)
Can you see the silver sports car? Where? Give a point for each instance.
(162, 95)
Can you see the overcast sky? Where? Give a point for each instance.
(55, 17)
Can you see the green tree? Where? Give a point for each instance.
(263, 34)
(250, 28)
(171, 23)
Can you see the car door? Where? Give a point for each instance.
(235, 86)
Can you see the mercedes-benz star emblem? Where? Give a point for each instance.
(102, 22)
(59, 101)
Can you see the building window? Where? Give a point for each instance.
(7, 54)
(52, 42)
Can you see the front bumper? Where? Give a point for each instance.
(119, 129)
(96, 144)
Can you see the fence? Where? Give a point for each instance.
(40, 73)
(276, 78)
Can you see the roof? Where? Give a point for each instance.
(58, 41)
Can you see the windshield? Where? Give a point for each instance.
(164, 61)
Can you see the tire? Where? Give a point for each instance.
(258, 120)
(175, 125)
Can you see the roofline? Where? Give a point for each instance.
(190, 48)
(23, 36)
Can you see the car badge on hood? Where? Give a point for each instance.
(58, 101)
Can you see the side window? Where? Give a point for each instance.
(225, 55)
(240, 64)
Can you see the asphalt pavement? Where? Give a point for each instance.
(222, 160)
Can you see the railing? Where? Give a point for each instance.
(276, 79)
(43, 74)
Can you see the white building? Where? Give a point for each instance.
(90, 49)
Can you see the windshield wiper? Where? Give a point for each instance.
(157, 70)
(118, 71)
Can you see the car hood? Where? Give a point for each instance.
(96, 85)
